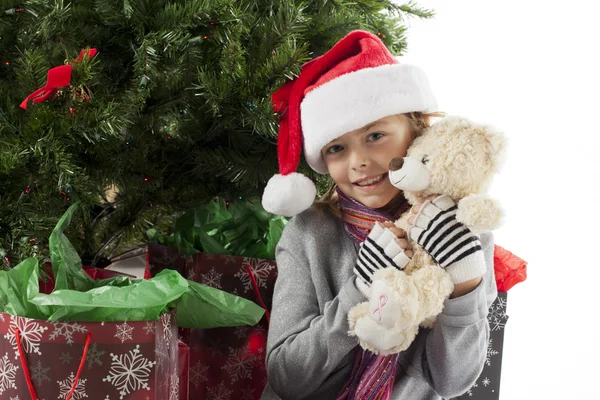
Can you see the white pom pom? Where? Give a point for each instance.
(288, 195)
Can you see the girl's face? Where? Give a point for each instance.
(366, 153)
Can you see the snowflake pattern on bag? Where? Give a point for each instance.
(39, 374)
(165, 320)
(240, 364)
(219, 392)
(212, 279)
(198, 374)
(149, 328)
(261, 270)
(31, 334)
(65, 358)
(129, 372)
(490, 352)
(8, 372)
(66, 330)
(174, 386)
(124, 332)
(94, 356)
(241, 331)
(66, 385)
(497, 314)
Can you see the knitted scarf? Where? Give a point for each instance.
(373, 375)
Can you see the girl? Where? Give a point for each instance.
(354, 109)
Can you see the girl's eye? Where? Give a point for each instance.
(376, 133)
(333, 148)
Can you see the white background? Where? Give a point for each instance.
(531, 69)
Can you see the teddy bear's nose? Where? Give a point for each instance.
(396, 163)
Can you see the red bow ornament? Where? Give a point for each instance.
(57, 77)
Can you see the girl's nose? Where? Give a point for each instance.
(396, 163)
(358, 160)
(359, 166)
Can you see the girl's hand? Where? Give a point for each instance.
(417, 206)
(401, 237)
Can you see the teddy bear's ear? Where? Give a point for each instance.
(497, 147)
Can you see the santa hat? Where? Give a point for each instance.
(355, 83)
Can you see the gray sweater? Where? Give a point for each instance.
(309, 352)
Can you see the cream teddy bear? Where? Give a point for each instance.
(453, 157)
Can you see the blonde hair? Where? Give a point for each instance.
(418, 122)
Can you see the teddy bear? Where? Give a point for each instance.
(454, 157)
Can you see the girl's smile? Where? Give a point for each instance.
(371, 183)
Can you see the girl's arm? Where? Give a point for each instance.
(460, 289)
(450, 356)
(305, 348)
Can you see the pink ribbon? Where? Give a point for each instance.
(383, 299)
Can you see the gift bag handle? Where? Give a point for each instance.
(255, 287)
(88, 339)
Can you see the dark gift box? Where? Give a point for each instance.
(509, 270)
(487, 386)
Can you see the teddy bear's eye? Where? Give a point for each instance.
(425, 160)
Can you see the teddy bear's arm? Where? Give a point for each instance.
(480, 213)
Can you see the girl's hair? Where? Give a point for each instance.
(418, 122)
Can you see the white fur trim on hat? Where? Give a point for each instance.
(288, 195)
(358, 98)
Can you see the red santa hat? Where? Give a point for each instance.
(355, 83)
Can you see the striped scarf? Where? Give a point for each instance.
(373, 375)
(360, 219)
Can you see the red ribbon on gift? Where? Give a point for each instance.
(508, 268)
(57, 77)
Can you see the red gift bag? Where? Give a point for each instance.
(224, 362)
(95, 360)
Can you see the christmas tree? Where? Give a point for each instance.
(145, 109)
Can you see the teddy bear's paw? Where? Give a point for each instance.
(480, 213)
(394, 299)
(379, 340)
(357, 312)
(385, 306)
